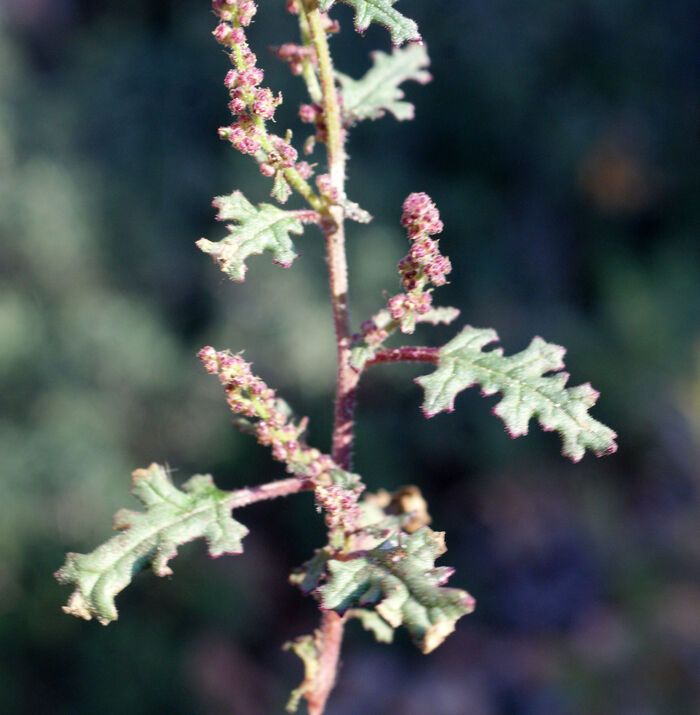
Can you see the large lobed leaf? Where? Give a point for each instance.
(378, 91)
(399, 579)
(402, 28)
(265, 228)
(526, 388)
(172, 517)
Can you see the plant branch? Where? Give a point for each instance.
(407, 354)
(271, 490)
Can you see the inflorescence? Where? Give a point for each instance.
(253, 105)
(422, 269)
(264, 416)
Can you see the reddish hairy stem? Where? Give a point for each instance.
(271, 490)
(331, 639)
(347, 378)
(331, 631)
(416, 353)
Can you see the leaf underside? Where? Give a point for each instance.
(394, 584)
(526, 388)
(172, 517)
(402, 28)
(378, 92)
(257, 229)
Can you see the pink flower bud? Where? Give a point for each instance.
(222, 33)
(250, 77)
(308, 113)
(304, 169)
(237, 36)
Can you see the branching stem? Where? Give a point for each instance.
(331, 632)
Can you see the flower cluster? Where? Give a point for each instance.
(250, 103)
(340, 505)
(313, 114)
(423, 266)
(295, 56)
(248, 396)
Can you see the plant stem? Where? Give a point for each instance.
(407, 354)
(331, 631)
(330, 641)
(346, 383)
(271, 490)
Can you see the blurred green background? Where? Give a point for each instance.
(559, 140)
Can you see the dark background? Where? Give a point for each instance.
(559, 142)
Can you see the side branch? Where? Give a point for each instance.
(407, 354)
(271, 490)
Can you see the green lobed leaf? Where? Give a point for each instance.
(172, 517)
(265, 228)
(527, 390)
(378, 91)
(402, 28)
(399, 578)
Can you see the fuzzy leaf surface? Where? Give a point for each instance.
(378, 91)
(172, 517)
(399, 578)
(526, 388)
(402, 28)
(257, 229)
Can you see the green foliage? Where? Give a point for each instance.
(378, 91)
(526, 388)
(379, 563)
(402, 28)
(172, 518)
(396, 575)
(265, 228)
(400, 579)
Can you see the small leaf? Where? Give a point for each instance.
(346, 480)
(361, 354)
(309, 574)
(439, 316)
(372, 621)
(526, 390)
(399, 578)
(402, 28)
(306, 647)
(281, 190)
(355, 212)
(265, 228)
(172, 517)
(378, 91)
